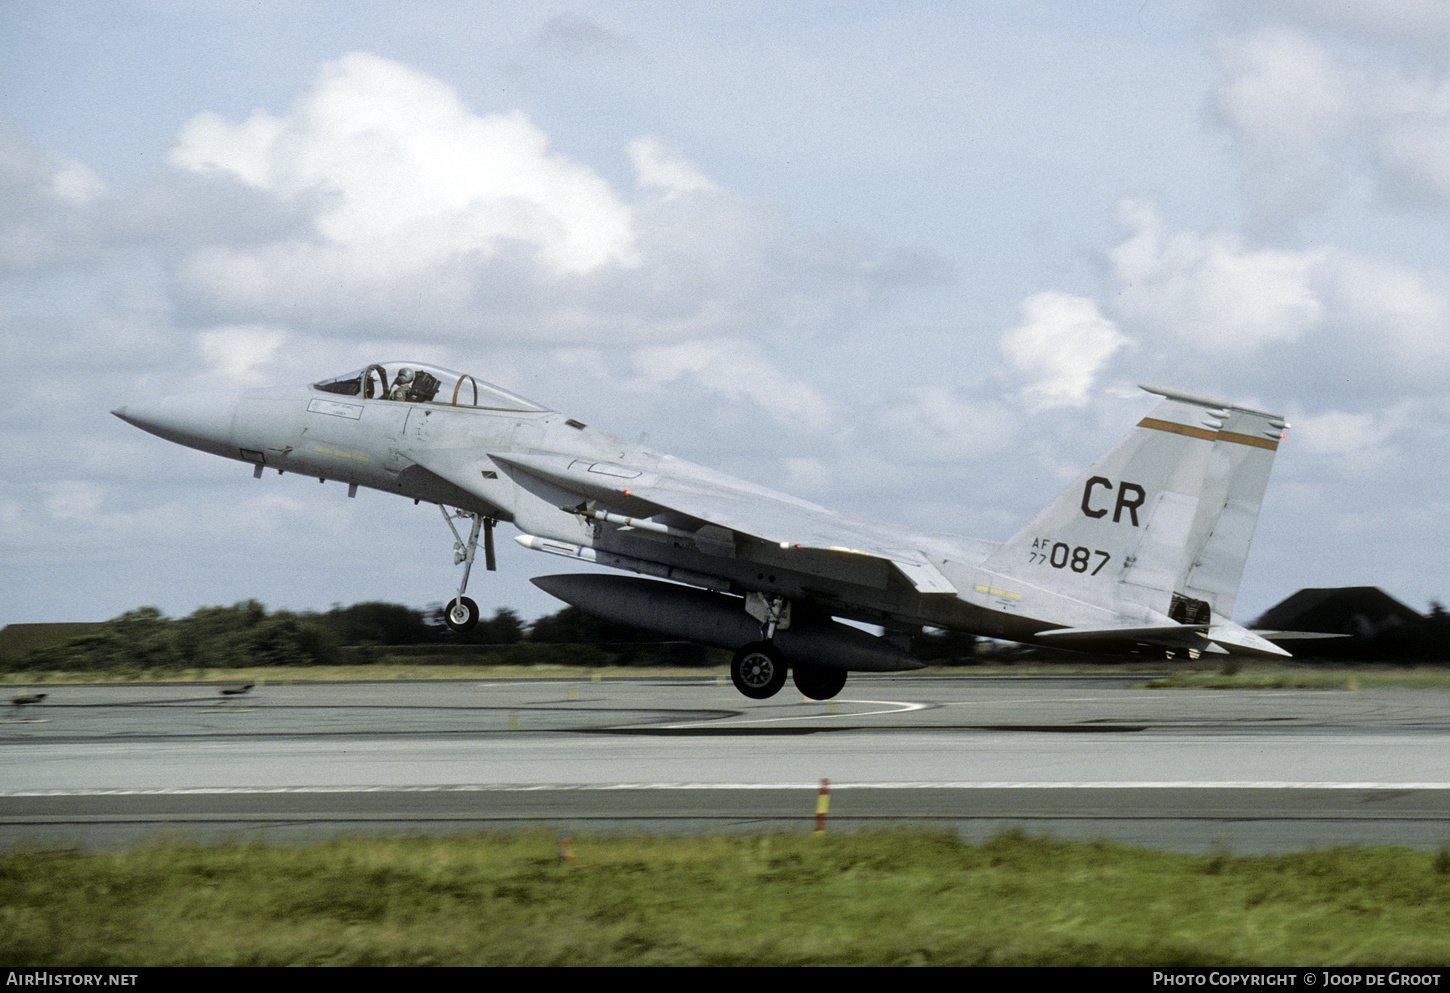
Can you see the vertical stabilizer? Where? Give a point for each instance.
(1162, 523)
(1238, 474)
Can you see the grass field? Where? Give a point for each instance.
(865, 899)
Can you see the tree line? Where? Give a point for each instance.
(247, 635)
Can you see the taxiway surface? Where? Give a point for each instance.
(1079, 757)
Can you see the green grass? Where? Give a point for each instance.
(862, 899)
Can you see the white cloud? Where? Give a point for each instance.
(659, 166)
(809, 474)
(1284, 88)
(74, 500)
(48, 209)
(1417, 23)
(1061, 345)
(396, 209)
(1414, 154)
(235, 353)
(76, 182)
(572, 36)
(1356, 444)
(1286, 318)
(405, 176)
(1210, 292)
(735, 370)
(932, 424)
(1401, 313)
(1312, 120)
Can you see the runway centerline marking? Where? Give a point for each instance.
(896, 707)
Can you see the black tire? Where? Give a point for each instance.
(758, 670)
(461, 615)
(818, 682)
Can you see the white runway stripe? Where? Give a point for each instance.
(809, 785)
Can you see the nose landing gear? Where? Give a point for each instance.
(462, 613)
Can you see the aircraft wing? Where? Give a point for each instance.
(710, 499)
(791, 526)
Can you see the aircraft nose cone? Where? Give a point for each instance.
(197, 420)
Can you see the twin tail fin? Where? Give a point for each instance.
(1160, 527)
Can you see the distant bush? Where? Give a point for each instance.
(246, 635)
(213, 637)
(374, 623)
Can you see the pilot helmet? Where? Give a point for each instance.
(405, 375)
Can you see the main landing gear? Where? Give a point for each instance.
(759, 669)
(462, 613)
(818, 682)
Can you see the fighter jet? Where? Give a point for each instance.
(1143, 552)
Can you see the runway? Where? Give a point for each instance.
(1077, 757)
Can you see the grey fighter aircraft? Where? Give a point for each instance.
(1143, 552)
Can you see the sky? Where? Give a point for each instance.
(909, 260)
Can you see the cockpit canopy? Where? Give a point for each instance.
(418, 382)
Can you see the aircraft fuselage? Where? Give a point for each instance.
(1146, 548)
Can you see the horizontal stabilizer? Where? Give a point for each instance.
(1158, 634)
(1224, 634)
(1242, 641)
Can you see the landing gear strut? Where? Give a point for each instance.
(773, 613)
(758, 670)
(462, 613)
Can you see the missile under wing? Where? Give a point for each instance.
(1144, 551)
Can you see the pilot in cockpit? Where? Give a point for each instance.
(414, 386)
(403, 385)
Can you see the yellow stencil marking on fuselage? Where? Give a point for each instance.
(996, 592)
(346, 455)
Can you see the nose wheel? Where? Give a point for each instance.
(758, 670)
(462, 614)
